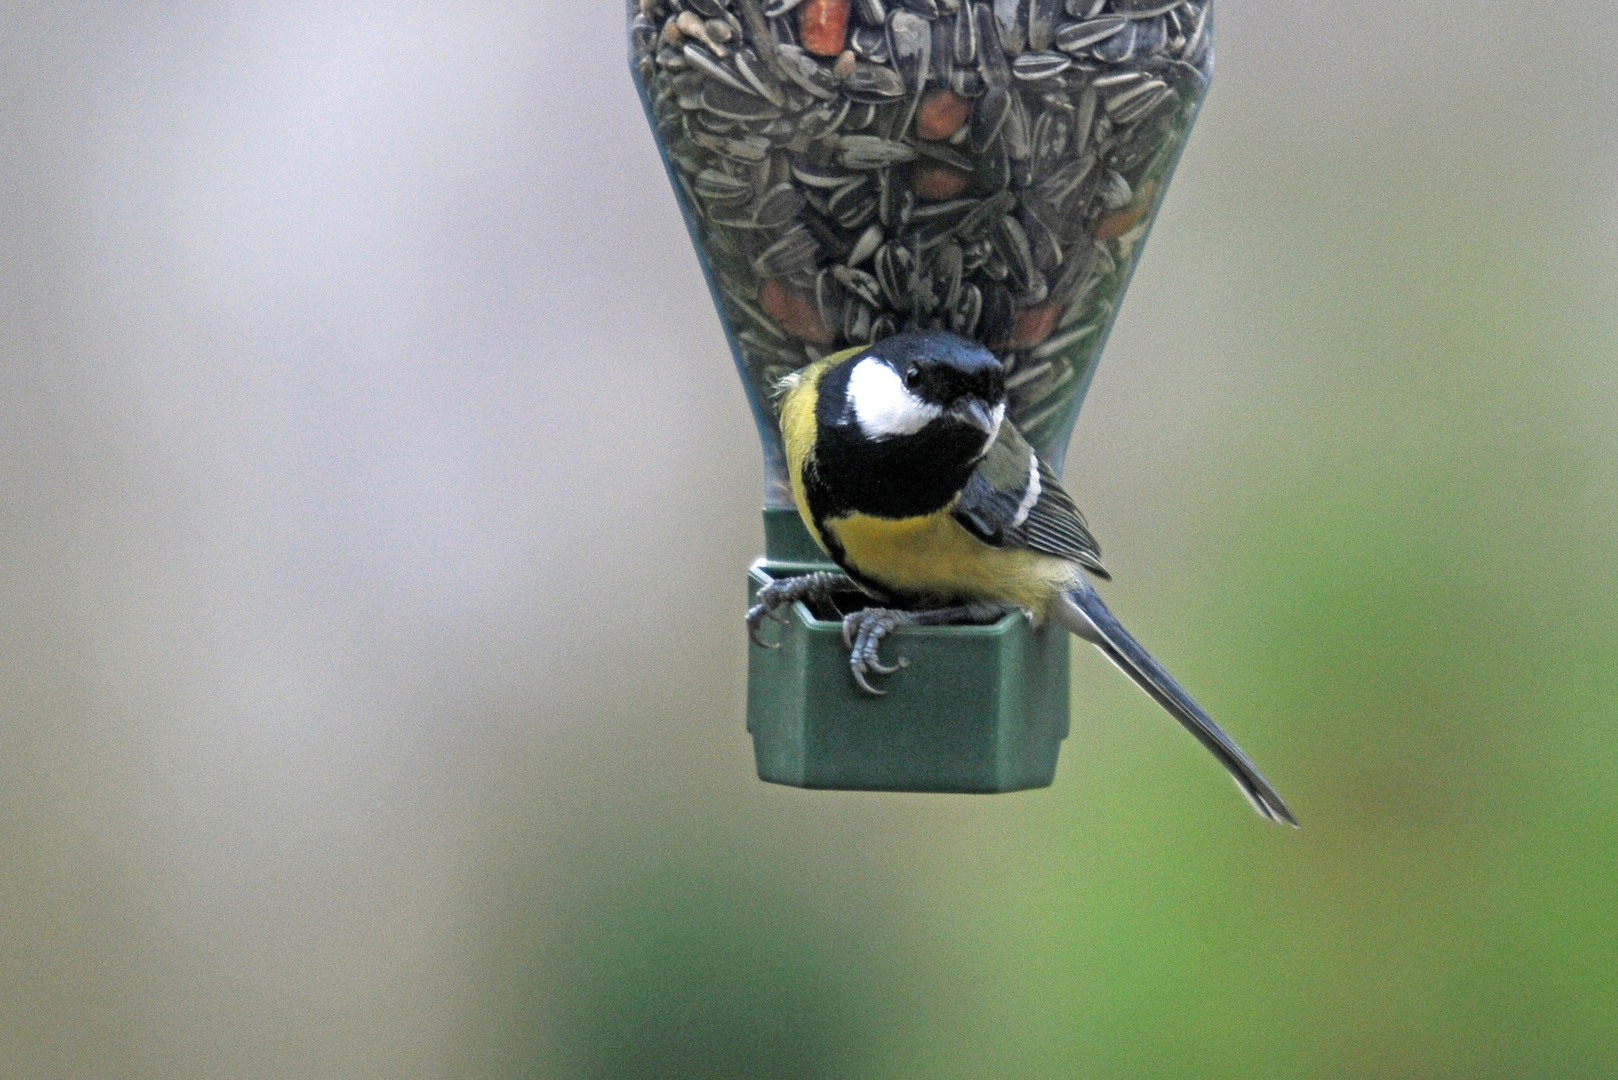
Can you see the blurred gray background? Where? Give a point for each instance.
(375, 499)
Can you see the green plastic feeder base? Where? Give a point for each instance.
(978, 709)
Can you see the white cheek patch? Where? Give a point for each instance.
(883, 407)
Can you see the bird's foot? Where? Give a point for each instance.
(778, 594)
(864, 630)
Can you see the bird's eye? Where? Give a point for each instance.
(912, 376)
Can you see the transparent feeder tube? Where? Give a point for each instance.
(850, 169)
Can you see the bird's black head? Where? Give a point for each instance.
(927, 379)
(902, 424)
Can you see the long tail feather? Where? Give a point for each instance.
(1083, 613)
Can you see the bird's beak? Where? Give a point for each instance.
(976, 412)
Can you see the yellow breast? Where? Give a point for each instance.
(934, 557)
(799, 393)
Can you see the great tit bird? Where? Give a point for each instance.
(908, 474)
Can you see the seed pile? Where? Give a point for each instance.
(854, 168)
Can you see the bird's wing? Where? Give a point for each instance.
(1014, 499)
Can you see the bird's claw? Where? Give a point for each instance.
(779, 594)
(863, 632)
(753, 623)
(755, 620)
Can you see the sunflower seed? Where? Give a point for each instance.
(778, 206)
(992, 62)
(1011, 21)
(688, 24)
(999, 314)
(910, 39)
(1076, 37)
(794, 251)
(1115, 191)
(1042, 240)
(924, 296)
(1062, 341)
(722, 100)
(708, 64)
(1041, 24)
(804, 70)
(765, 347)
(893, 264)
(942, 53)
(945, 154)
(947, 265)
(1040, 65)
(1015, 133)
(931, 224)
(1026, 375)
(966, 82)
(896, 200)
(993, 174)
(1050, 137)
(817, 176)
(966, 35)
(1151, 37)
(1012, 245)
(966, 311)
(983, 216)
(875, 84)
(861, 117)
(721, 187)
(1121, 78)
(711, 124)
(643, 33)
(871, 12)
(866, 245)
(1198, 33)
(859, 283)
(755, 75)
(870, 152)
(1137, 156)
(830, 298)
(823, 119)
(833, 240)
(745, 148)
(1118, 48)
(1156, 93)
(870, 43)
(1068, 191)
(852, 206)
(1084, 116)
(989, 116)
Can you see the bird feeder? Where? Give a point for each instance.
(850, 169)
